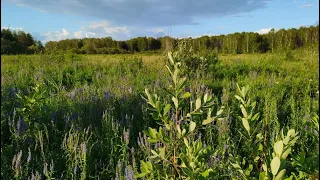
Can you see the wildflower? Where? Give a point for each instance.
(38, 175)
(75, 169)
(53, 116)
(126, 136)
(10, 122)
(18, 160)
(24, 125)
(220, 129)
(106, 95)
(71, 95)
(51, 166)
(67, 118)
(36, 77)
(19, 129)
(45, 170)
(187, 89)
(74, 115)
(217, 159)
(83, 148)
(129, 173)
(138, 141)
(119, 165)
(226, 154)
(226, 147)
(75, 148)
(29, 155)
(14, 160)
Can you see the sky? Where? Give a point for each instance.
(53, 20)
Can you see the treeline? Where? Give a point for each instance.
(19, 42)
(245, 42)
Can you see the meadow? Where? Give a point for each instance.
(69, 116)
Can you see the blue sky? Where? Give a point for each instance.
(124, 19)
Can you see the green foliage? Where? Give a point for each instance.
(82, 116)
(13, 42)
(193, 63)
(178, 154)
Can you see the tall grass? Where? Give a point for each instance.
(82, 116)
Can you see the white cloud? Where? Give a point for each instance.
(81, 34)
(78, 34)
(306, 5)
(94, 29)
(13, 28)
(264, 30)
(104, 28)
(56, 35)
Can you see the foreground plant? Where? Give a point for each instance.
(176, 152)
(269, 159)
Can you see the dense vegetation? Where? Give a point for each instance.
(237, 43)
(72, 116)
(19, 42)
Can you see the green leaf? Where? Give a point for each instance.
(205, 97)
(141, 175)
(275, 165)
(183, 132)
(186, 95)
(198, 103)
(278, 148)
(175, 101)
(144, 167)
(246, 125)
(286, 153)
(264, 167)
(149, 165)
(192, 126)
(262, 175)
(237, 166)
(152, 140)
(207, 121)
(155, 153)
(166, 109)
(169, 69)
(158, 105)
(170, 58)
(291, 133)
(153, 133)
(206, 172)
(255, 117)
(239, 98)
(185, 140)
(149, 97)
(175, 75)
(179, 130)
(244, 111)
(280, 175)
(162, 153)
(260, 147)
(182, 82)
(220, 111)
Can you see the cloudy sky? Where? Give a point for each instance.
(124, 19)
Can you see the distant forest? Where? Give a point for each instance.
(13, 42)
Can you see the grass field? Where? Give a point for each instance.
(83, 116)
